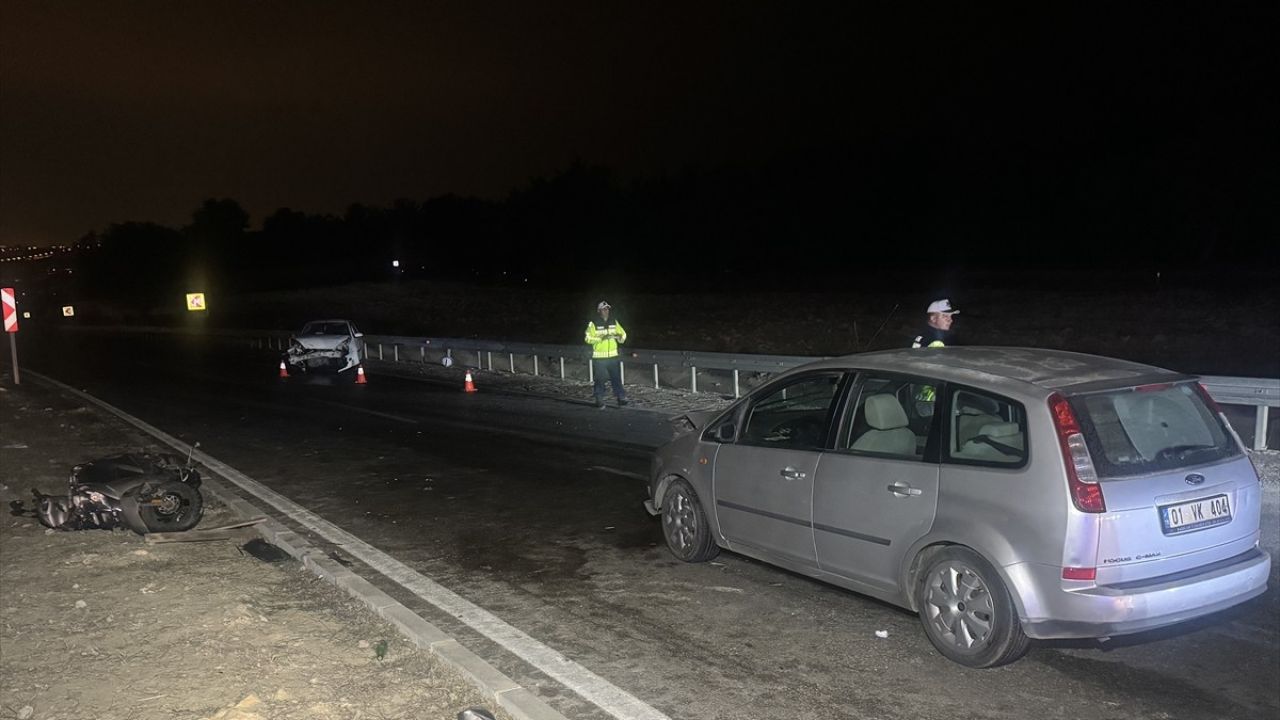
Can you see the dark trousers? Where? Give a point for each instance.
(613, 367)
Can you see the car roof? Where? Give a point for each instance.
(996, 366)
(332, 320)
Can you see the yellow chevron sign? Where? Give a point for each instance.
(195, 302)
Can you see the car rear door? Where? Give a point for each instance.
(1179, 491)
(877, 489)
(763, 481)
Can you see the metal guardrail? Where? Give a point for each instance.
(1260, 393)
(1263, 393)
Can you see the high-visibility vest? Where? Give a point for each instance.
(604, 337)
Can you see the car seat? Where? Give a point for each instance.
(996, 442)
(889, 433)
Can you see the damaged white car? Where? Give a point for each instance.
(320, 345)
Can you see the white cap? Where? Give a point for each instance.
(942, 306)
(603, 305)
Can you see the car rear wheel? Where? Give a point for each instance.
(967, 612)
(685, 526)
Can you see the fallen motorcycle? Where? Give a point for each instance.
(145, 492)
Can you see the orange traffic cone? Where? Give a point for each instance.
(468, 386)
(284, 371)
(360, 375)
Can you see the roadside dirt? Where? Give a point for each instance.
(100, 624)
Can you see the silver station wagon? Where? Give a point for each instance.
(1003, 494)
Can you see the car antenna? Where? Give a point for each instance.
(882, 324)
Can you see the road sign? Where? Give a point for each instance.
(68, 311)
(10, 310)
(10, 304)
(195, 302)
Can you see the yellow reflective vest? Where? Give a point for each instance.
(604, 337)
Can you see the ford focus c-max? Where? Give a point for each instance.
(1003, 494)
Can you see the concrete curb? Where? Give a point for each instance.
(515, 699)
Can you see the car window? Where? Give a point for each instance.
(324, 329)
(986, 429)
(1149, 429)
(795, 415)
(893, 417)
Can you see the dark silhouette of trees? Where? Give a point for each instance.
(817, 219)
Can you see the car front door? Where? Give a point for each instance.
(763, 481)
(877, 490)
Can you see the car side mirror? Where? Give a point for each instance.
(726, 433)
(359, 334)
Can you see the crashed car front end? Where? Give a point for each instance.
(323, 353)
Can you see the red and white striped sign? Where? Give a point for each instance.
(10, 310)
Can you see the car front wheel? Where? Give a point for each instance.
(967, 612)
(685, 526)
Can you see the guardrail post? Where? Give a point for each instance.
(422, 353)
(622, 372)
(655, 376)
(561, 367)
(395, 353)
(1260, 428)
(591, 371)
(693, 374)
(535, 366)
(379, 351)
(489, 353)
(735, 382)
(511, 362)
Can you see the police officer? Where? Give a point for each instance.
(604, 336)
(939, 330)
(935, 336)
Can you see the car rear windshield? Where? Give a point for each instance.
(1150, 429)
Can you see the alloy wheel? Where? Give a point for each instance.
(959, 608)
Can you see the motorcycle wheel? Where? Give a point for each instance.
(171, 506)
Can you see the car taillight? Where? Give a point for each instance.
(1082, 479)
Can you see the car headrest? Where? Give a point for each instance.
(885, 413)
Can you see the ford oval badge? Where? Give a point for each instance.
(1195, 479)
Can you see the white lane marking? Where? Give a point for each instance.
(615, 471)
(608, 697)
(366, 411)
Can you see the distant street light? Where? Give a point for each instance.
(395, 263)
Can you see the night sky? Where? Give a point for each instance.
(987, 122)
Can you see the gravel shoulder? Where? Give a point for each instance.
(100, 624)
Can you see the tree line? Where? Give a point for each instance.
(797, 224)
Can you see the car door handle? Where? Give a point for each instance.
(903, 489)
(791, 473)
